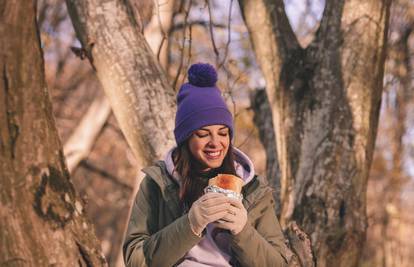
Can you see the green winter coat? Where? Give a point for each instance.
(159, 234)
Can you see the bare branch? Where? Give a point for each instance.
(226, 51)
(213, 42)
(187, 12)
(105, 174)
(249, 135)
(190, 38)
(81, 141)
(163, 33)
(179, 26)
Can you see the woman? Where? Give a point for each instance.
(173, 223)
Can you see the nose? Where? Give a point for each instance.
(214, 140)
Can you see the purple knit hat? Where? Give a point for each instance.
(199, 103)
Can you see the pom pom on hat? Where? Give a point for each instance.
(199, 103)
(202, 75)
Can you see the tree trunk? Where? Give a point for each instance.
(264, 122)
(41, 216)
(140, 96)
(325, 102)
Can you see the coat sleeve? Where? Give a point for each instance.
(261, 242)
(144, 244)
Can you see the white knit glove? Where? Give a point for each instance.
(208, 208)
(235, 219)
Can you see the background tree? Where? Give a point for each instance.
(390, 174)
(325, 102)
(140, 96)
(111, 35)
(41, 216)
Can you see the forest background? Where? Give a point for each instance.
(105, 171)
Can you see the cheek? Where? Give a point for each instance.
(195, 147)
(226, 143)
(226, 151)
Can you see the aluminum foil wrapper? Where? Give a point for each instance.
(226, 192)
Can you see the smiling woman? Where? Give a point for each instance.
(175, 221)
(202, 156)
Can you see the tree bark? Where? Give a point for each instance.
(325, 102)
(41, 216)
(140, 96)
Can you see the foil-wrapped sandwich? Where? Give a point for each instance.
(227, 184)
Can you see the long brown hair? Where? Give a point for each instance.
(189, 169)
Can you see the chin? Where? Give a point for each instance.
(213, 165)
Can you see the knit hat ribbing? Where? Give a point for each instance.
(199, 103)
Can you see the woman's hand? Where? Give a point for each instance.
(235, 219)
(208, 208)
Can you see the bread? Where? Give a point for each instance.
(227, 181)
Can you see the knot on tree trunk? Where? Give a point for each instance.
(300, 254)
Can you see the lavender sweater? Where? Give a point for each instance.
(214, 248)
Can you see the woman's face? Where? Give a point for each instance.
(209, 145)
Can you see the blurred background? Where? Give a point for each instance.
(180, 33)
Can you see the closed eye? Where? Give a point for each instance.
(202, 133)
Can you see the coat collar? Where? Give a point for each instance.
(253, 191)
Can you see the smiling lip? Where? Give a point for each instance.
(212, 155)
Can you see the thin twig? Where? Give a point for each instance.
(104, 174)
(202, 23)
(242, 111)
(190, 41)
(226, 51)
(190, 35)
(212, 33)
(187, 12)
(164, 34)
(230, 89)
(176, 12)
(246, 139)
